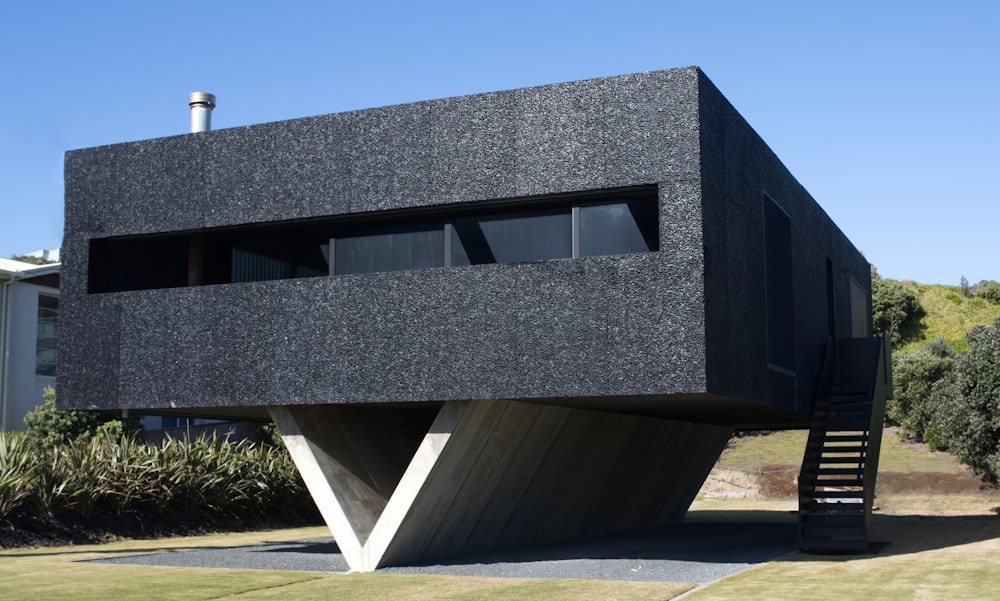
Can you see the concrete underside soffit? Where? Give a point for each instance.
(397, 486)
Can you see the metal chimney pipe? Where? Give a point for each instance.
(201, 104)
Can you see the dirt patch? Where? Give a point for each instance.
(776, 481)
(931, 483)
(780, 481)
(725, 483)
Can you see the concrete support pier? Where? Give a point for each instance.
(490, 474)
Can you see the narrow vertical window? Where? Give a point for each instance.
(45, 341)
(778, 286)
(860, 327)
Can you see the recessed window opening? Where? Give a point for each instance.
(394, 250)
(583, 225)
(513, 238)
(45, 340)
(778, 287)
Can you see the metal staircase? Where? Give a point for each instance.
(839, 468)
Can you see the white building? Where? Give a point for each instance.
(29, 311)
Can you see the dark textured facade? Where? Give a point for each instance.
(630, 331)
(721, 318)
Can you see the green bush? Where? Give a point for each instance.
(914, 375)
(895, 309)
(18, 467)
(969, 404)
(50, 425)
(990, 292)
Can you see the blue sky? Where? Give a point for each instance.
(887, 112)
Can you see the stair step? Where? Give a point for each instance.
(820, 456)
(844, 448)
(859, 546)
(828, 533)
(842, 388)
(839, 471)
(849, 401)
(844, 420)
(839, 441)
(845, 424)
(843, 508)
(841, 437)
(847, 413)
(846, 510)
(837, 494)
(849, 460)
(858, 482)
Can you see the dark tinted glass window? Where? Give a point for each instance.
(601, 222)
(392, 251)
(778, 276)
(619, 228)
(513, 239)
(45, 342)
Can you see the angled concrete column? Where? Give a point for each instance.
(490, 474)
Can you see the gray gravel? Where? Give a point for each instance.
(698, 551)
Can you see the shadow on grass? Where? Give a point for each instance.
(99, 549)
(750, 537)
(704, 537)
(709, 541)
(907, 534)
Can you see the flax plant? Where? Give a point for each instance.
(17, 471)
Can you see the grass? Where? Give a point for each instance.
(938, 557)
(925, 558)
(949, 314)
(932, 547)
(56, 574)
(786, 448)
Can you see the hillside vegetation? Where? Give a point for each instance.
(948, 314)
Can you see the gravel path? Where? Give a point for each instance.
(694, 551)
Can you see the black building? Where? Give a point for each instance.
(479, 321)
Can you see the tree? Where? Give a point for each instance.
(895, 309)
(51, 425)
(969, 404)
(31, 260)
(989, 291)
(913, 407)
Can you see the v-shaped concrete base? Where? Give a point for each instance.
(402, 486)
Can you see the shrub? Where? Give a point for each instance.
(107, 473)
(895, 309)
(18, 469)
(914, 374)
(989, 291)
(969, 413)
(50, 425)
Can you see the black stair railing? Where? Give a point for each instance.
(840, 463)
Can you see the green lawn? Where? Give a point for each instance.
(55, 574)
(922, 557)
(943, 557)
(786, 448)
(934, 547)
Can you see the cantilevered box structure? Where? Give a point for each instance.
(484, 321)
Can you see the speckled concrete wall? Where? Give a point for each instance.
(633, 332)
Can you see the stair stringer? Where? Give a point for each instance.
(844, 439)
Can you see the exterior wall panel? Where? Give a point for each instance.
(686, 320)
